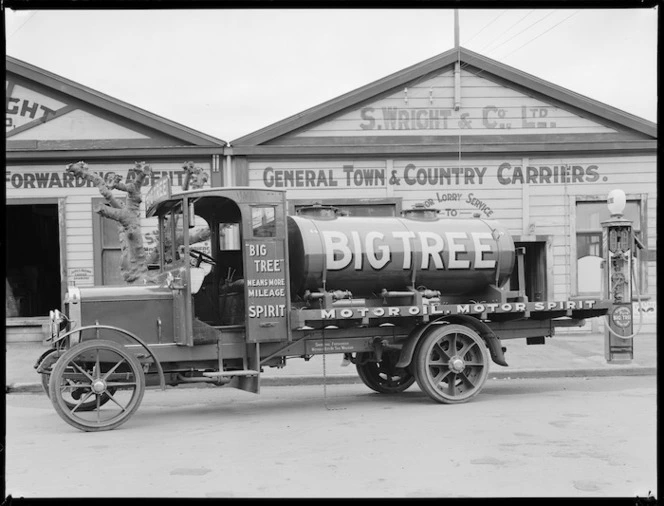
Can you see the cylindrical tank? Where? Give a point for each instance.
(366, 255)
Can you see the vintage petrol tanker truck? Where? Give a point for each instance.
(415, 298)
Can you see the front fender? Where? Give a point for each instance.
(490, 338)
(130, 335)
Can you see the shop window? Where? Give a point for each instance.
(589, 247)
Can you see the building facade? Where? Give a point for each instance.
(469, 136)
(54, 237)
(459, 133)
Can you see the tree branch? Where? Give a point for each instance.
(80, 169)
(194, 176)
(119, 215)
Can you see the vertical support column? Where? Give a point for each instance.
(526, 229)
(389, 167)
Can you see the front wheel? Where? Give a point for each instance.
(383, 377)
(96, 385)
(451, 364)
(46, 362)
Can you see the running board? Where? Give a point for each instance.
(244, 372)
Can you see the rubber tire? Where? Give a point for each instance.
(86, 406)
(421, 369)
(368, 373)
(61, 406)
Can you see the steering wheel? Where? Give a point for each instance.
(199, 256)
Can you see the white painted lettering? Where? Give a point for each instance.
(336, 242)
(454, 248)
(480, 249)
(433, 249)
(374, 261)
(358, 250)
(328, 313)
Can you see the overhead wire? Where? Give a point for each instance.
(538, 36)
(486, 26)
(522, 31)
(34, 13)
(509, 29)
(529, 41)
(477, 74)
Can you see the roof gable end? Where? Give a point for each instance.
(586, 109)
(68, 102)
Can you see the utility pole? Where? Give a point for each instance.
(457, 65)
(456, 29)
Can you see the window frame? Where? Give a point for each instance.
(642, 267)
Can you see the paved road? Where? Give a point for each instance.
(571, 437)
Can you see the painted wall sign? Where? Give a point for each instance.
(24, 105)
(469, 200)
(417, 175)
(20, 179)
(427, 108)
(490, 117)
(80, 275)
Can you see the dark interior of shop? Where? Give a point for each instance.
(32, 264)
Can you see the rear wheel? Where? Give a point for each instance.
(451, 364)
(96, 385)
(384, 377)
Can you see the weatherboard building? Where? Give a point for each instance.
(54, 237)
(468, 136)
(459, 133)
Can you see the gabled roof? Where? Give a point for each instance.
(642, 132)
(147, 121)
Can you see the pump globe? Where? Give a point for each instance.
(616, 201)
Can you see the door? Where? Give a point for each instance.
(32, 263)
(267, 289)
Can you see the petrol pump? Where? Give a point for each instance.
(619, 250)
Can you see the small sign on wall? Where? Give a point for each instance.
(80, 276)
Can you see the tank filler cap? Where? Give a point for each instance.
(420, 212)
(319, 211)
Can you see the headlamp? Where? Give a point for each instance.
(58, 322)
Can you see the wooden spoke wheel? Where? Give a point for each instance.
(451, 364)
(47, 360)
(383, 377)
(96, 385)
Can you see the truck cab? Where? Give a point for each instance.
(237, 277)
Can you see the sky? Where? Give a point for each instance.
(231, 72)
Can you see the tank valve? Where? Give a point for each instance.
(429, 294)
(335, 295)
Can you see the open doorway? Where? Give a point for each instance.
(535, 270)
(32, 262)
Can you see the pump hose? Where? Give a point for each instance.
(638, 298)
